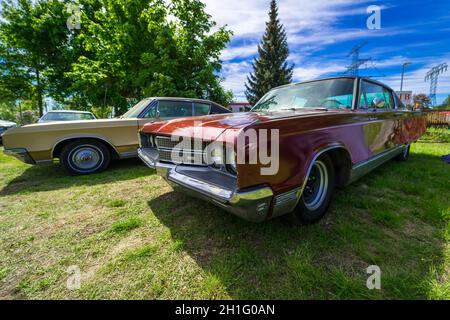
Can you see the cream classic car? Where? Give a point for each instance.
(85, 147)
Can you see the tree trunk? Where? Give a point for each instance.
(39, 94)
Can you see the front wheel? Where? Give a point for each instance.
(85, 156)
(317, 193)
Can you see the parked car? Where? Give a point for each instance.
(66, 115)
(330, 133)
(5, 125)
(85, 147)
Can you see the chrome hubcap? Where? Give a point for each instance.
(86, 157)
(316, 186)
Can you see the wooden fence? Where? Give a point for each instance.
(439, 119)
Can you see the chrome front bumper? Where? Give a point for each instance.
(213, 186)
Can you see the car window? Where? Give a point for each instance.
(339, 102)
(215, 109)
(67, 116)
(169, 109)
(362, 101)
(150, 112)
(399, 103)
(389, 97)
(376, 96)
(330, 94)
(201, 109)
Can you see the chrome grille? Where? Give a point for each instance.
(188, 152)
(171, 143)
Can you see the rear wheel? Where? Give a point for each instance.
(404, 156)
(317, 194)
(85, 156)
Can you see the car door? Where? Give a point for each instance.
(384, 123)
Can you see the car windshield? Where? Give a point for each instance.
(135, 111)
(322, 94)
(67, 116)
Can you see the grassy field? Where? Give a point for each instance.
(134, 238)
(436, 135)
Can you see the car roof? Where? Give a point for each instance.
(68, 111)
(183, 99)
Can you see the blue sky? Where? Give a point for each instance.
(322, 32)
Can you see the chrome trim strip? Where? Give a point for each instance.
(44, 161)
(362, 168)
(130, 154)
(285, 202)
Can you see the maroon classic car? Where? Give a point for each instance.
(287, 155)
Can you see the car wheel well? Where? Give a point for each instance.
(60, 146)
(342, 162)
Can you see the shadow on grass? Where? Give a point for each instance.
(53, 177)
(273, 260)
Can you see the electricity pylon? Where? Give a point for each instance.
(433, 75)
(353, 69)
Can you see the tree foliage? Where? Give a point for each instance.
(124, 50)
(31, 45)
(270, 69)
(421, 101)
(445, 104)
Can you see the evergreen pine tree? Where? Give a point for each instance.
(270, 69)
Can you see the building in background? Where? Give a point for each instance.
(240, 106)
(406, 97)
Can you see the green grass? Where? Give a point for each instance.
(436, 135)
(134, 238)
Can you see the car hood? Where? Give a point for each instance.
(80, 124)
(210, 127)
(206, 127)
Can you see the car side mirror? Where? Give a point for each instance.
(378, 103)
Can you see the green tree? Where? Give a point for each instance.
(270, 69)
(445, 104)
(123, 51)
(32, 39)
(133, 50)
(421, 101)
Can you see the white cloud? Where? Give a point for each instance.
(415, 80)
(316, 71)
(311, 26)
(235, 77)
(239, 51)
(248, 17)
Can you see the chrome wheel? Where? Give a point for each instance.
(86, 158)
(316, 186)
